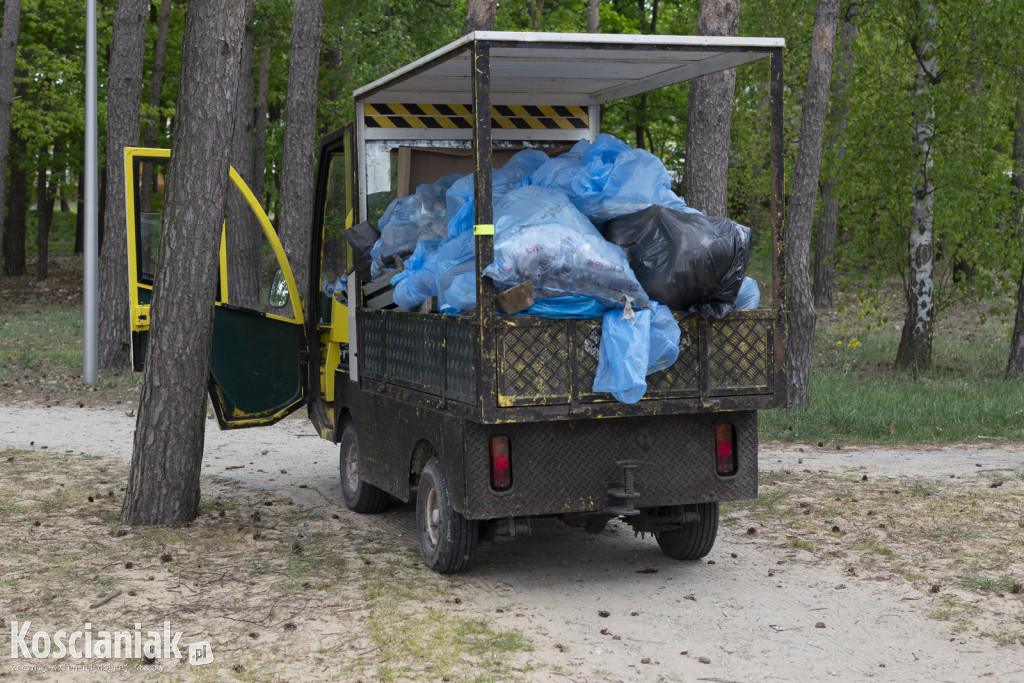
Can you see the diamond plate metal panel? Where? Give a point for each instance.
(739, 356)
(533, 364)
(461, 361)
(415, 351)
(371, 351)
(562, 467)
(682, 378)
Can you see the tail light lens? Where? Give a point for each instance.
(501, 464)
(725, 450)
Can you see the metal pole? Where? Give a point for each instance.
(90, 346)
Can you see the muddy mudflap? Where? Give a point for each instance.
(582, 468)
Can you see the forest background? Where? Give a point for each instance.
(867, 185)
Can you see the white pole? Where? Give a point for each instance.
(90, 346)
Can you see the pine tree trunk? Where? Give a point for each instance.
(593, 16)
(8, 50)
(124, 94)
(479, 16)
(244, 233)
(259, 153)
(915, 349)
(800, 345)
(17, 207)
(706, 175)
(163, 485)
(299, 149)
(1015, 364)
(825, 245)
(156, 84)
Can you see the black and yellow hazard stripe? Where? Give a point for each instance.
(523, 117)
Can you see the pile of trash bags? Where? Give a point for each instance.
(597, 230)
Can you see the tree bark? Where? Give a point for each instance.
(156, 84)
(124, 94)
(8, 52)
(17, 208)
(480, 15)
(44, 211)
(163, 485)
(244, 233)
(593, 16)
(299, 148)
(915, 349)
(706, 173)
(1015, 364)
(800, 345)
(825, 245)
(259, 153)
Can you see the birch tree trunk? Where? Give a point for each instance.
(299, 151)
(1015, 364)
(706, 174)
(167, 455)
(124, 96)
(825, 245)
(915, 349)
(800, 346)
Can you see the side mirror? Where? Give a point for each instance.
(278, 295)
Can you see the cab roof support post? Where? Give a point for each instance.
(483, 206)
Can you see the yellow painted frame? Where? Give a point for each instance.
(139, 313)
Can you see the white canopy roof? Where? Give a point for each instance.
(564, 68)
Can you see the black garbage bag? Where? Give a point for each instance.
(686, 261)
(361, 238)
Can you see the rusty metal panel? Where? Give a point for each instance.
(739, 356)
(567, 467)
(533, 364)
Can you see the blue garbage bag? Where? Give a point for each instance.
(632, 348)
(566, 307)
(623, 356)
(540, 236)
(749, 295)
(515, 173)
(409, 219)
(664, 349)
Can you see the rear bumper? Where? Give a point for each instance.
(569, 467)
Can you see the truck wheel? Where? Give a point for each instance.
(447, 539)
(694, 540)
(359, 496)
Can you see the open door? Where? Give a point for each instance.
(256, 373)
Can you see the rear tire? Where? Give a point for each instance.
(694, 540)
(359, 496)
(448, 540)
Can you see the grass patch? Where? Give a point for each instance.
(856, 397)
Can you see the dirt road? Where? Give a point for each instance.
(611, 606)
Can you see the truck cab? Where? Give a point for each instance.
(489, 421)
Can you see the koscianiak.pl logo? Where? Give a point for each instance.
(86, 644)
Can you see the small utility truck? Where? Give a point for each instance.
(487, 421)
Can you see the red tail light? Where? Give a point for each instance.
(725, 450)
(501, 464)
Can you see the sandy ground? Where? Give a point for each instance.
(746, 613)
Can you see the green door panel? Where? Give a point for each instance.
(253, 378)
